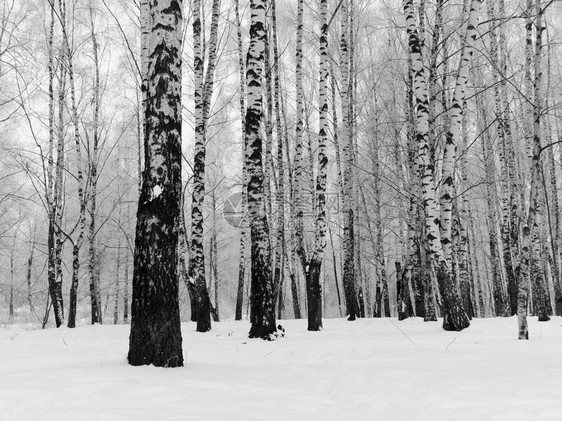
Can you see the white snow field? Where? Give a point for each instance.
(370, 369)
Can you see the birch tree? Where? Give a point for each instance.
(455, 317)
(347, 185)
(155, 320)
(197, 256)
(312, 267)
(244, 200)
(262, 300)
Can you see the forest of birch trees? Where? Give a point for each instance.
(259, 160)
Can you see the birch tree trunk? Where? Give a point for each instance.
(54, 186)
(347, 201)
(12, 273)
(197, 256)
(183, 259)
(94, 281)
(117, 284)
(537, 272)
(314, 266)
(262, 300)
(81, 223)
(499, 295)
(503, 305)
(454, 134)
(455, 317)
(513, 177)
(298, 181)
(525, 254)
(465, 279)
(155, 326)
(126, 291)
(244, 200)
(280, 243)
(29, 272)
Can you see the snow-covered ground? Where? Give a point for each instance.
(365, 370)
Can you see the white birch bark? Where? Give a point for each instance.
(262, 300)
(455, 317)
(197, 256)
(347, 188)
(244, 200)
(453, 136)
(155, 320)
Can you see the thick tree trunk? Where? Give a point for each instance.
(155, 326)
(262, 298)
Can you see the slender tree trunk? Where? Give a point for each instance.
(313, 286)
(502, 308)
(197, 256)
(347, 208)
(79, 176)
(126, 291)
(29, 273)
(117, 284)
(55, 214)
(335, 265)
(280, 243)
(214, 266)
(183, 250)
(499, 294)
(537, 272)
(94, 281)
(513, 177)
(155, 326)
(12, 273)
(298, 182)
(465, 279)
(244, 200)
(413, 271)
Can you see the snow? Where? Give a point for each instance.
(157, 191)
(364, 370)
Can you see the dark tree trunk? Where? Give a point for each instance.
(126, 292)
(295, 295)
(314, 295)
(155, 324)
(74, 287)
(262, 300)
